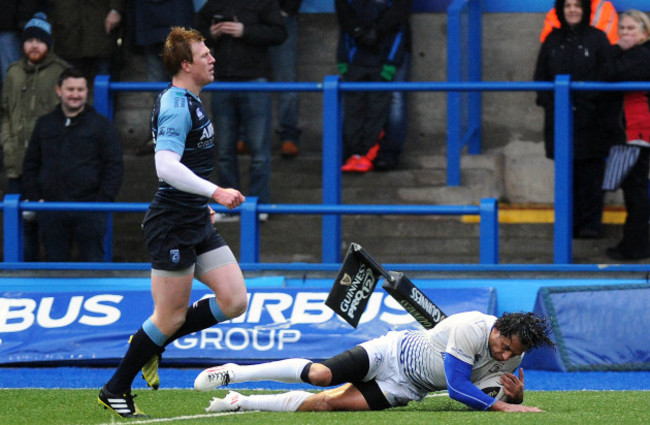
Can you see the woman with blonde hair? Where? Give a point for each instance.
(631, 62)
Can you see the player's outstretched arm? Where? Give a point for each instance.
(502, 406)
(513, 386)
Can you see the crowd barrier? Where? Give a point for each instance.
(249, 223)
(332, 90)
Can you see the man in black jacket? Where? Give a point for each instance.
(74, 155)
(239, 33)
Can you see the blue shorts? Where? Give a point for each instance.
(175, 237)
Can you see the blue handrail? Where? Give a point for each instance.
(464, 58)
(332, 89)
(249, 222)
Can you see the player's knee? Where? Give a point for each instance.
(321, 402)
(169, 323)
(320, 375)
(236, 307)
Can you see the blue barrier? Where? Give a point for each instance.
(332, 113)
(464, 109)
(249, 222)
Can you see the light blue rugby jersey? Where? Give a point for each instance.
(180, 124)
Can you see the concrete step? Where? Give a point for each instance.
(392, 239)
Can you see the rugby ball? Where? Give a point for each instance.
(491, 385)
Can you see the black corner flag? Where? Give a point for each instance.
(425, 311)
(357, 279)
(355, 283)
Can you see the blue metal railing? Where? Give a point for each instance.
(249, 223)
(332, 113)
(464, 24)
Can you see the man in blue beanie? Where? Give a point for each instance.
(38, 27)
(28, 92)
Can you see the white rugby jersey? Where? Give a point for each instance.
(463, 335)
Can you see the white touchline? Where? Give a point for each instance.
(444, 394)
(183, 418)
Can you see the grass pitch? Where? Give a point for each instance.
(73, 407)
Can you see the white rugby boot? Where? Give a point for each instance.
(230, 403)
(214, 377)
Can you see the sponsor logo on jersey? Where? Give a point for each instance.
(179, 100)
(174, 255)
(207, 137)
(168, 131)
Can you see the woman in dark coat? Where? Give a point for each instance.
(583, 52)
(631, 62)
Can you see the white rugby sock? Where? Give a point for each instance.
(285, 402)
(287, 371)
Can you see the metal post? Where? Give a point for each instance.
(475, 11)
(489, 232)
(563, 227)
(103, 99)
(249, 232)
(108, 238)
(13, 228)
(332, 152)
(453, 97)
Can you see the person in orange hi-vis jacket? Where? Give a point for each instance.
(603, 17)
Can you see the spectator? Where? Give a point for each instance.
(396, 128)
(86, 33)
(240, 32)
(14, 17)
(74, 155)
(153, 21)
(583, 52)
(632, 63)
(283, 64)
(28, 92)
(603, 16)
(371, 47)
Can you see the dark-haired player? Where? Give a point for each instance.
(178, 227)
(399, 367)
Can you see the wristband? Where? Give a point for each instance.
(214, 194)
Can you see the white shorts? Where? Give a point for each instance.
(384, 368)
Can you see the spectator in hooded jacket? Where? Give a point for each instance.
(28, 92)
(583, 52)
(74, 155)
(603, 16)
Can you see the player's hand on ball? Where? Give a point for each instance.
(513, 387)
(229, 198)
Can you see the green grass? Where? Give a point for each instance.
(31, 406)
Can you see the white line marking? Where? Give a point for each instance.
(181, 418)
(445, 394)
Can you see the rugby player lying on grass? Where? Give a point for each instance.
(398, 367)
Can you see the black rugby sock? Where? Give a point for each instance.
(141, 349)
(198, 317)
